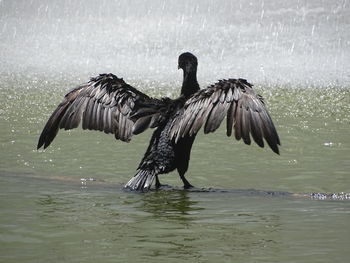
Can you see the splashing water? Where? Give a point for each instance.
(263, 41)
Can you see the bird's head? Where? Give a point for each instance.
(188, 62)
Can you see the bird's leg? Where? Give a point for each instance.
(187, 185)
(158, 184)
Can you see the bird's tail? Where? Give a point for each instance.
(142, 181)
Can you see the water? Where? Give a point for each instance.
(48, 214)
(105, 224)
(258, 207)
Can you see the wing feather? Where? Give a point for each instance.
(141, 124)
(238, 121)
(195, 110)
(256, 128)
(230, 119)
(77, 115)
(245, 127)
(201, 117)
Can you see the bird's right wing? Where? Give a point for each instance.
(234, 99)
(105, 103)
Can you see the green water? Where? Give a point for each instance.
(47, 215)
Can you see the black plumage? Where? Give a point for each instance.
(106, 103)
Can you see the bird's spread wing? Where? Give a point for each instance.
(234, 98)
(105, 103)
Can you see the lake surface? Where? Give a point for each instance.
(255, 206)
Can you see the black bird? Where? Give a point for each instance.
(106, 103)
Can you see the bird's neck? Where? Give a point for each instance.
(189, 84)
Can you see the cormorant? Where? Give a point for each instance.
(106, 103)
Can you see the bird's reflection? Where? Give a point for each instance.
(172, 204)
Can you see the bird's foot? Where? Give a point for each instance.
(188, 186)
(163, 186)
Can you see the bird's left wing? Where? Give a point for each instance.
(105, 103)
(235, 99)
